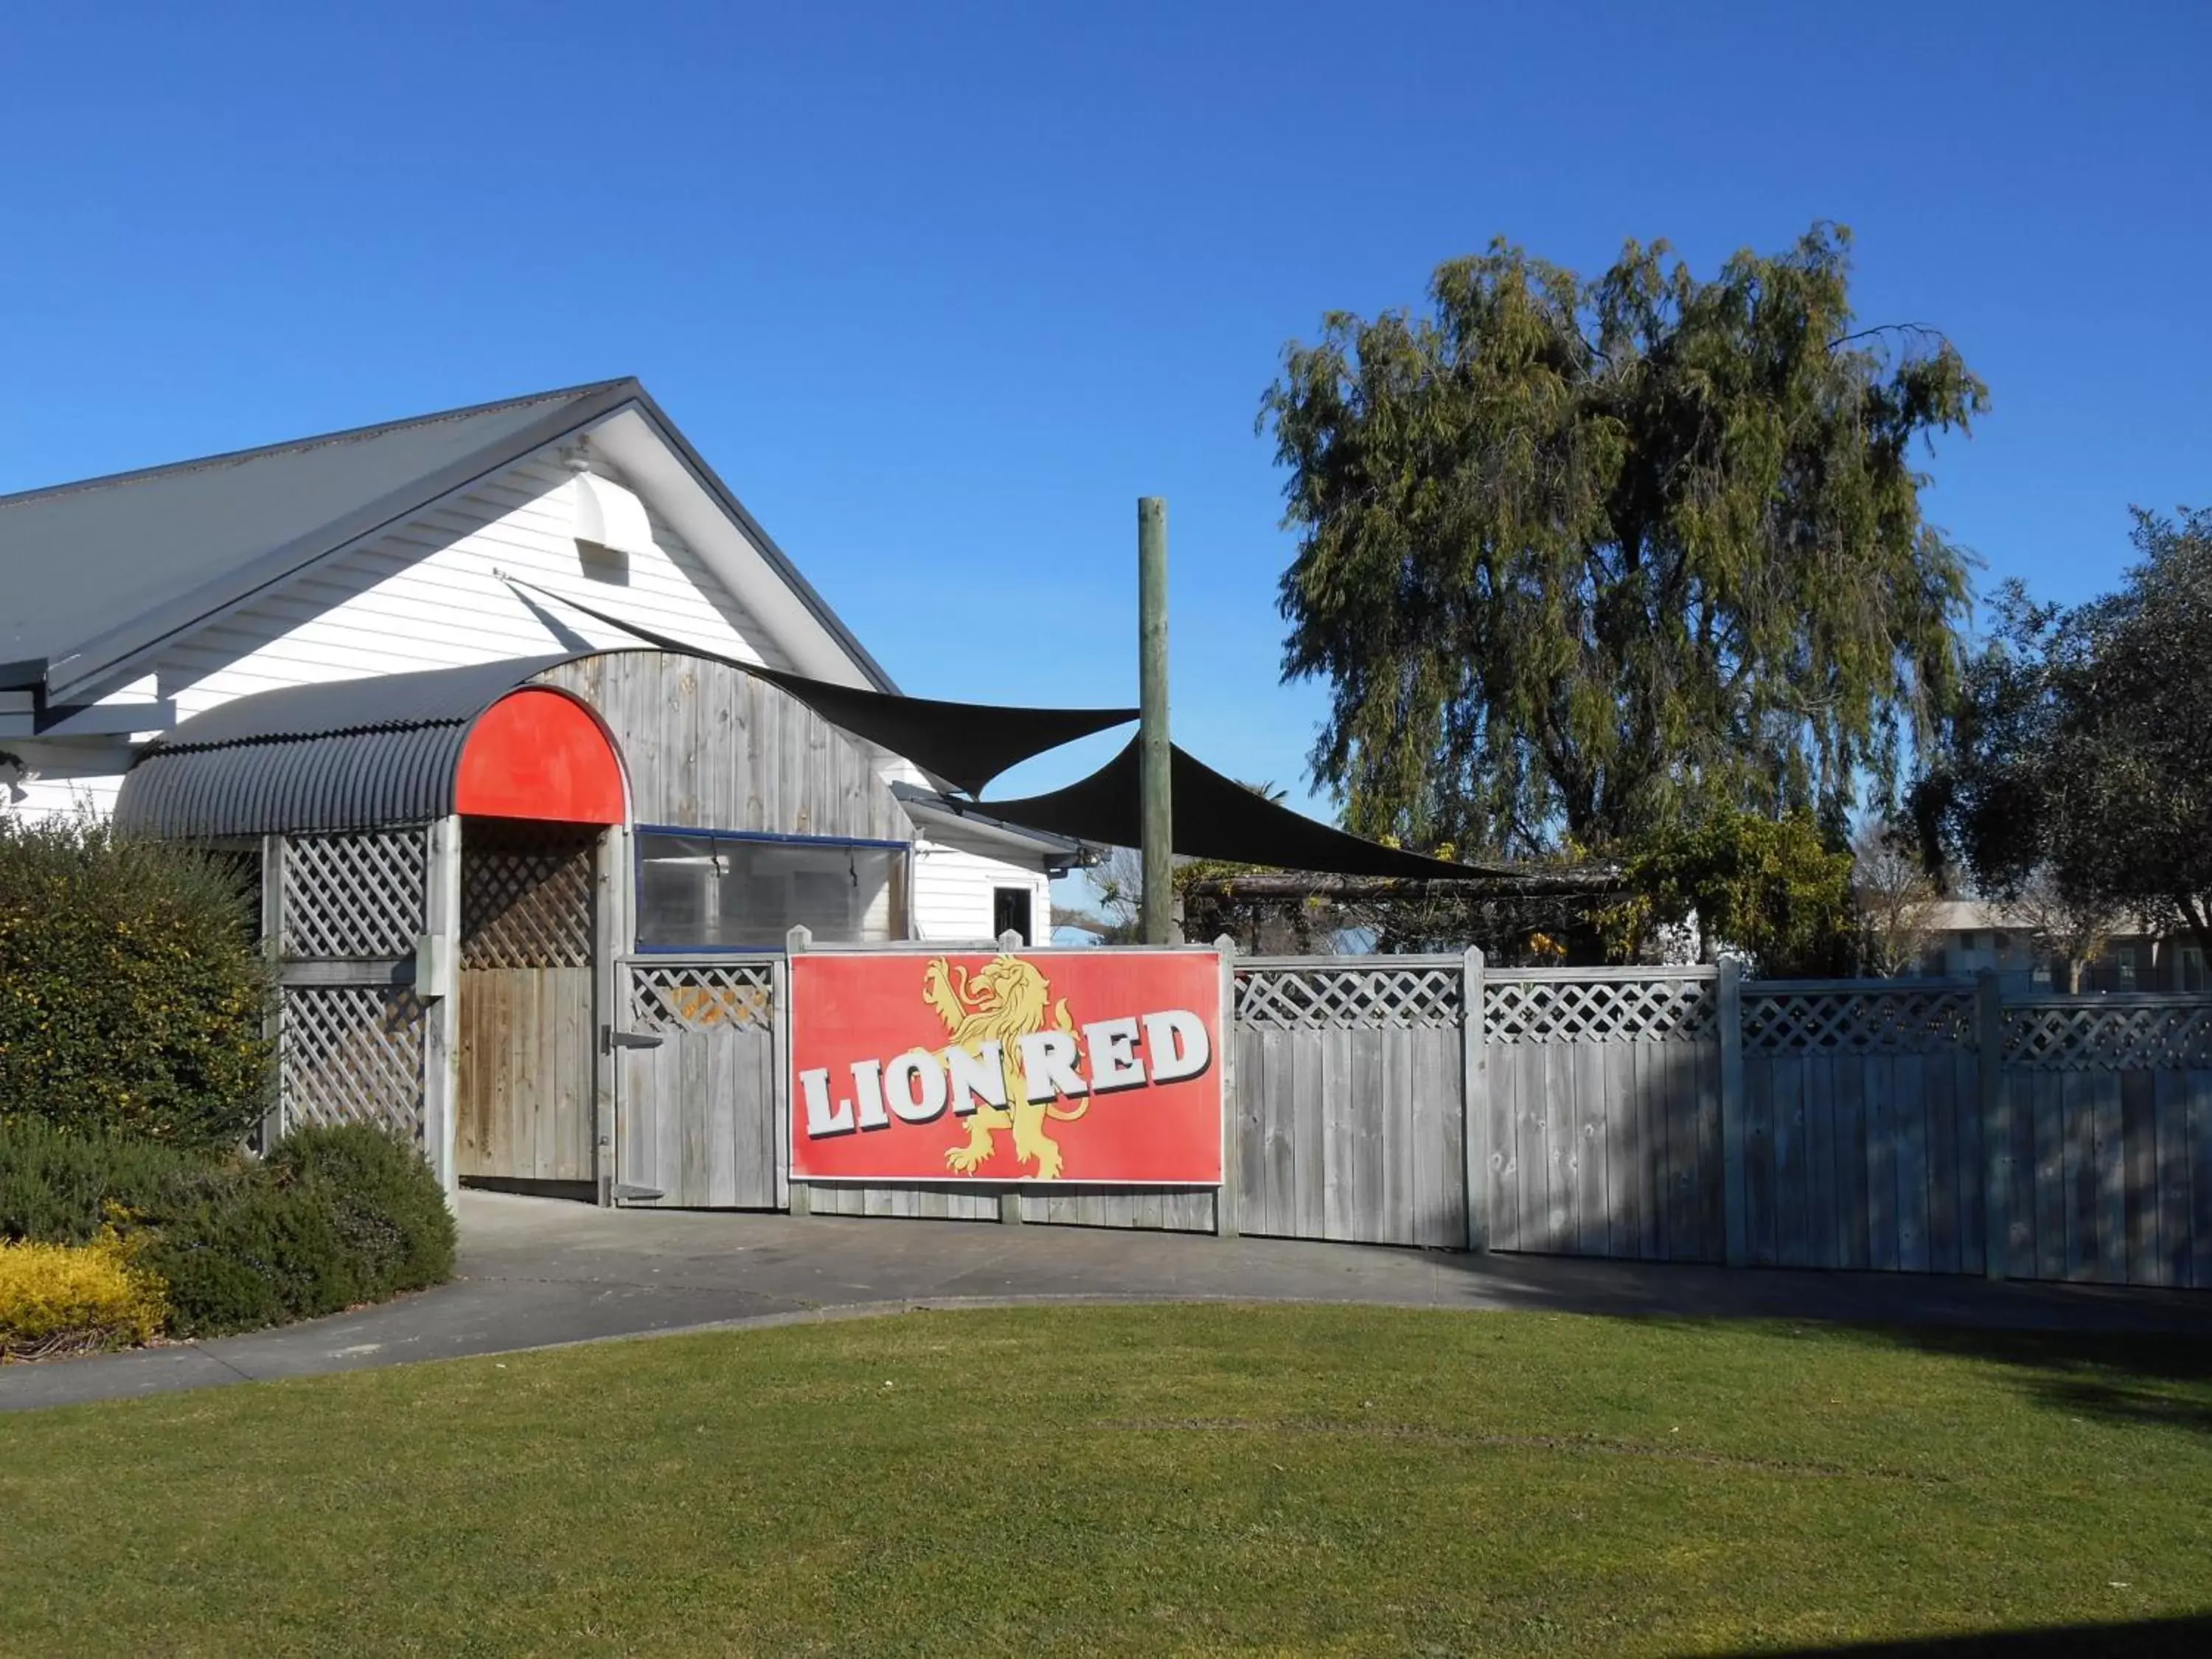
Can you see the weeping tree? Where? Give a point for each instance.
(1586, 561)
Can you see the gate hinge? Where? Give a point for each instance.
(626, 1194)
(610, 1039)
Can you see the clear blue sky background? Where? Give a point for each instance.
(941, 290)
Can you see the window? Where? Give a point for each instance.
(2192, 969)
(1009, 912)
(708, 889)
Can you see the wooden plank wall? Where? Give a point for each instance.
(1864, 1159)
(525, 1098)
(1148, 1209)
(698, 1120)
(707, 746)
(697, 1115)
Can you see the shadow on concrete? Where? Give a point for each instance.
(2157, 1637)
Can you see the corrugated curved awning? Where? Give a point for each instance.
(356, 754)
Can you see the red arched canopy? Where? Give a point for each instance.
(537, 754)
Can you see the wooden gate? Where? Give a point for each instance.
(698, 1125)
(526, 1104)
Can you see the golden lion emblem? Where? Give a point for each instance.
(1007, 1000)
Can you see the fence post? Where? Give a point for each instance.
(437, 983)
(272, 949)
(1996, 1126)
(611, 931)
(1474, 1102)
(1227, 1196)
(1734, 1202)
(800, 1197)
(1010, 1198)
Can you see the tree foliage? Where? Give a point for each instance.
(1580, 559)
(2074, 769)
(1771, 889)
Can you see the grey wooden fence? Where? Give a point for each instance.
(2101, 1139)
(1347, 1099)
(1663, 1114)
(1861, 1127)
(1603, 1092)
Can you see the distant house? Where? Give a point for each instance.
(1969, 935)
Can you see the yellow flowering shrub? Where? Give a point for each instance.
(72, 1298)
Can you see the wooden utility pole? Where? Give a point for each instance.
(1157, 814)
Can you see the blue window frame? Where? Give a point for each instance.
(728, 890)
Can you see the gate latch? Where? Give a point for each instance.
(610, 1039)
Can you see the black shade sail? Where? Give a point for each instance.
(1216, 817)
(966, 744)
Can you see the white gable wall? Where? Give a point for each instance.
(427, 596)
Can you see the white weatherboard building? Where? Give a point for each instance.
(472, 690)
(130, 604)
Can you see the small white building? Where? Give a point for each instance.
(538, 745)
(132, 603)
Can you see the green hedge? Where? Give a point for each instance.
(333, 1217)
(133, 996)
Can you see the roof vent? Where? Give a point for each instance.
(607, 515)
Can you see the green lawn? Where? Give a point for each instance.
(1182, 1479)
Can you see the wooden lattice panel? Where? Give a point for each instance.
(1673, 1009)
(701, 997)
(1875, 1021)
(526, 895)
(359, 895)
(351, 1054)
(2091, 1036)
(1327, 997)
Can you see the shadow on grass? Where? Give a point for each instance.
(2191, 1635)
(2118, 1355)
(2164, 1382)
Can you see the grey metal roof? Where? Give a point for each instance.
(95, 572)
(352, 754)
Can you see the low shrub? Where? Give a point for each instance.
(384, 1203)
(133, 995)
(333, 1217)
(76, 1299)
(252, 1252)
(58, 1186)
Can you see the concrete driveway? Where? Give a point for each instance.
(537, 1272)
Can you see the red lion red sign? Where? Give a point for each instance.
(1068, 1065)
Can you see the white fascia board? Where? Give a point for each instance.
(988, 840)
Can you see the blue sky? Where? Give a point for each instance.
(942, 290)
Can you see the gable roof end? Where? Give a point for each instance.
(192, 540)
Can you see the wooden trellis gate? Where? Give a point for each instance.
(698, 1108)
(344, 917)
